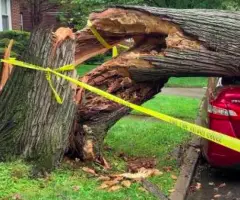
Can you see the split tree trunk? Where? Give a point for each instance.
(187, 42)
(167, 42)
(33, 125)
(96, 115)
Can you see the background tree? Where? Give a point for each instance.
(75, 12)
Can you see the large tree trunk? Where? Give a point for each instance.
(187, 42)
(167, 42)
(33, 125)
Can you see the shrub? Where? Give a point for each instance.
(20, 41)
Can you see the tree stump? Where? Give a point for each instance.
(33, 125)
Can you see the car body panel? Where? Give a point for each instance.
(226, 97)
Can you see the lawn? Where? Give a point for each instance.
(187, 82)
(133, 135)
(180, 107)
(148, 137)
(83, 69)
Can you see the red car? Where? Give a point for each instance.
(221, 112)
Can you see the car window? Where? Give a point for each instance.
(230, 81)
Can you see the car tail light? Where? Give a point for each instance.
(220, 111)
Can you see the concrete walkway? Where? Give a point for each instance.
(187, 92)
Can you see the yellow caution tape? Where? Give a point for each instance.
(103, 41)
(46, 70)
(57, 97)
(97, 35)
(114, 52)
(219, 138)
(123, 46)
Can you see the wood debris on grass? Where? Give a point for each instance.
(115, 188)
(142, 173)
(126, 179)
(108, 184)
(103, 178)
(126, 183)
(134, 164)
(89, 170)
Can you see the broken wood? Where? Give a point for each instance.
(6, 68)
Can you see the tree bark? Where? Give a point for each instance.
(33, 125)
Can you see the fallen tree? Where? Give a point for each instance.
(167, 42)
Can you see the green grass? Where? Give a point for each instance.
(187, 82)
(181, 107)
(83, 69)
(60, 185)
(148, 137)
(135, 136)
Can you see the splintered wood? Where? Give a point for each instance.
(7, 68)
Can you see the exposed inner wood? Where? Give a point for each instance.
(6, 68)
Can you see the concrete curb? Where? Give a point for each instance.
(187, 171)
(189, 165)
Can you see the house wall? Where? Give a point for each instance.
(49, 18)
(15, 15)
(27, 23)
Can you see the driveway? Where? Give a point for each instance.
(187, 92)
(219, 184)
